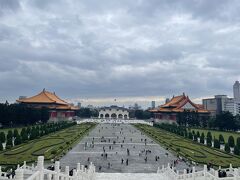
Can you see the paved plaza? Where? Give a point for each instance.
(119, 148)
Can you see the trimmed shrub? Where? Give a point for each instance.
(236, 150)
(195, 138)
(18, 140)
(2, 137)
(202, 138)
(216, 144)
(190, 135)
(231, 141)
(209, 142)
(238, 142)
(198, 134)
(1, 146)
(227, 148)
(9, 143)
(221, 139)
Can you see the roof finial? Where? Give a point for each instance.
(183, 94)
(43, 89)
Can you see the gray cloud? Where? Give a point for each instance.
(109, 48)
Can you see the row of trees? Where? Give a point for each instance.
(208, 140)
(19, 114)
(30, 133)
(224, 121)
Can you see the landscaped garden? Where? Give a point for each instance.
(190, 149)
(52, 145)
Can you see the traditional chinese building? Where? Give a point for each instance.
(58, 108)
(169, 111)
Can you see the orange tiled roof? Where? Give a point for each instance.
(176, 104)
(44, 97)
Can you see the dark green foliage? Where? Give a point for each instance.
(86, 113)
(19, 114)
(225, 121)
(195, 138)
(227, 148)
(198, 134)
(2, 137)
(17, 140)
(221, 139)
(238, 142)
(9, 134)
(209, 139)
(216, 143)
(236, 150)
(9, 143)
(231, 141)
(202, 138)
(1, 146)
(190, 135)
(24, 135)
(15, 133)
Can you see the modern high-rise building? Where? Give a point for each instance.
(236, 91)
(153, 104)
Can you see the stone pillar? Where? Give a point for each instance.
(19, 174)
(235, 173)
(24, 165)
(184, 174)
(216, 175)
(57, 170)
(204, 170)
(40, 167)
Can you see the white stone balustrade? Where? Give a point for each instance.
(82, 173)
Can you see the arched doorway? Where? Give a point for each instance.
(114, 116)
(106, 115)
(125, 116)
(120, 116)
(101, 115)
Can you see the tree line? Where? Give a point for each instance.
(223, 121)
(208, 140)
(19, 114)
(13, 137)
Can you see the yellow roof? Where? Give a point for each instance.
(44, 97)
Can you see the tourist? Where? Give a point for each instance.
(122, 161)
(127, 162)
(145, 159)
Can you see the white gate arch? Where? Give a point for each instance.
(114, 112)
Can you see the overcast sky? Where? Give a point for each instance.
(133, 50)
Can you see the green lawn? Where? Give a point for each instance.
(191, 150)
(216, 133)
(52, 146)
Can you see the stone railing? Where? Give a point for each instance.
(115, 121)
(40, 173)
(205, 174)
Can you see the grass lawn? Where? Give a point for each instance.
(193, 151)
(216, 133)
(52, 146)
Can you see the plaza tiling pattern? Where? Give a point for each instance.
(103, 137)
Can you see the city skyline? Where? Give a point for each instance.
(125, 50)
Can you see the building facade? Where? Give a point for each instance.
(58, 108)
(236, 91)
(168, 112)
(114, 112)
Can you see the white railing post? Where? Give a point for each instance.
(216, 175)
(205, 171)
(57, 170)
(24, 164)
(235, 175)
(230, 168)
(193, 173)
(40, 167)
(184, 174)
(19, 174)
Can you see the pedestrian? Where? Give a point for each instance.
(122, 160)
(127, 162)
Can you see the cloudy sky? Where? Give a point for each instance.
(94, 51)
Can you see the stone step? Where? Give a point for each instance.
(131, 176)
